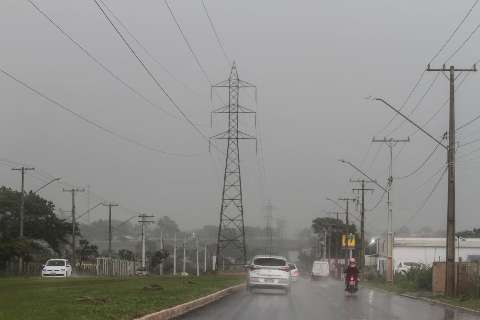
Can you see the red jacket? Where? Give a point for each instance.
(352, 271)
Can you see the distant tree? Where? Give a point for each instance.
(126, 254)
(403, 231)
(336, 228)
(474, 233)
(158, 257)
(41, 223)
(87, 250)
(168, 226)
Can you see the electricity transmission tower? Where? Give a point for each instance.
(269, 228)
(391, 143)
(231, 229)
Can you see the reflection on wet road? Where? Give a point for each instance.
(324, 300)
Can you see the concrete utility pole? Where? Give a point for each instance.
(144, 219)
(109, 205)
(391, 143)
(184, 256)
(22, 210)
(175, 254)
(205, 260)
(450, 254)
(74, 225)
(362, 189)
(198, 263)
(161, 248)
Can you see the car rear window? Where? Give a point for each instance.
(270, 262)
(56, 263)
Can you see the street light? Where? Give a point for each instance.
(46, 184)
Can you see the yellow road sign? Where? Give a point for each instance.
(348, 241)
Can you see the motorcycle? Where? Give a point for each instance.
(352, 285)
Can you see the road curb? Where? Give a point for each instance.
(433, 301)
(174, 312)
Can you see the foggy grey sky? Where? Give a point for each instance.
(313, 63)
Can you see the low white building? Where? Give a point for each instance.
(425, 250)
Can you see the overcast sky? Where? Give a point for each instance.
(314, 62)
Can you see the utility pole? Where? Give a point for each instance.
(109, 205)
(198, 263)
(144, 219)
(450, 250)
(160, 267)
(362, 189)
(231, 228)
(184, 255)
(348, 253)
(88, 203)
(391, 143)
(22, 210)
(175, 254)
(74, 223)
(205, 260)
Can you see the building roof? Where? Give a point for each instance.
(434, 242)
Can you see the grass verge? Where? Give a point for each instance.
(101, 298)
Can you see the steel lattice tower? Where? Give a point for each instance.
(231, 247)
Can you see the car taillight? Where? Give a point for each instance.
(284, 268)
(295, 273)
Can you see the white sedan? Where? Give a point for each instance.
(56, 268)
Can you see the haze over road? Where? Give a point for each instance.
(324, 300)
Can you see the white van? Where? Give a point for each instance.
(320, 269)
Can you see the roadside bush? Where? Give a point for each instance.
(415, 279)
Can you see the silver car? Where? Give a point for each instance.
(269, 272)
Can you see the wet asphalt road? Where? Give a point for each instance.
(324, 300)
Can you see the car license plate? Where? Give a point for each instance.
(269, 280)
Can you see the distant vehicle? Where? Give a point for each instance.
(56, 268)
(352, 284)
(320, 269)
(268, 272)
(294, 273)
(404, 267)
(141, 272)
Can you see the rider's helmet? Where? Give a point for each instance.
(352, 261)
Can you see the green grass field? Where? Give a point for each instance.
(101, 298)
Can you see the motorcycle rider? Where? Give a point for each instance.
(351, 271)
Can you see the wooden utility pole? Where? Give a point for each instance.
(362, 189)
(450, 254)
(391, 143)
(22, 210)
(110, 205)
(74, 226)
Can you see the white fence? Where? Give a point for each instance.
(107, 267)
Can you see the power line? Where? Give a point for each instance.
(440, 50)
(417, 105)
(99, 63)
(463, 43)
(91, 122)
(134, 53)
(468, 122)
(454, 31)
(423, 163)
(144, 48)
(413, 216)
(188, 43)
(220, 44)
